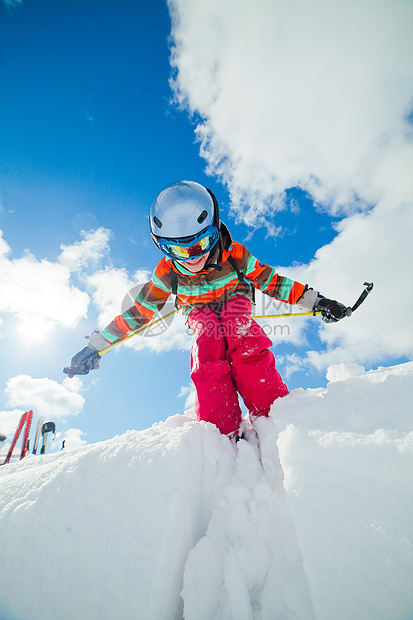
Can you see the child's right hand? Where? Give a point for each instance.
(83, 362)
(88, 358)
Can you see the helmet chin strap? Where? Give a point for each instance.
(213, 254)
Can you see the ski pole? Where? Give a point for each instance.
(350, 310)
(286, 314)
(369, 287)
(138, 331)
(154, 322)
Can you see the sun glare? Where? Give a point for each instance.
(34, 329)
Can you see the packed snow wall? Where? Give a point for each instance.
(177, 522)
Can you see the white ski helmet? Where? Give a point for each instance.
(184, 220)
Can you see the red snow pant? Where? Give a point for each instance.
(231, 354)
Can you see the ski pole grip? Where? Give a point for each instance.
(369, 287)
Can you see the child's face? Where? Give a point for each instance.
(194, 264)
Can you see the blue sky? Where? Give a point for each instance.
(92, 129)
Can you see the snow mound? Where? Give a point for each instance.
(177, 522)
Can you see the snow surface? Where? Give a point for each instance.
(176, 521)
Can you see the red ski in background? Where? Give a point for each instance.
(26, 419)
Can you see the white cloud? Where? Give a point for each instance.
(292, 363)
(32, 288)
(40, 292)
(75, 384)
(318, 96)
(73, 439)
(308, 94)
(89, 251)
(45, 396)
(374, 247)
(189, 392)
(110, 287)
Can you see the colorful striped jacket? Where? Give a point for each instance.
(215, 284)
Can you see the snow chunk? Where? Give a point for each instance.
(341, 372)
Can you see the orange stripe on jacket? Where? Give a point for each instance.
(122, 324)
(143, 310)
(237, 250)
(259, 269)
(163, 267)
(272, 284)
(296, 291)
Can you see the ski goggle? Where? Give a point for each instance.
(189, 247)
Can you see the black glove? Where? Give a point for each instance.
(83, 362)
(331, 310)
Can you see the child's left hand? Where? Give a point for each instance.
(331, 310)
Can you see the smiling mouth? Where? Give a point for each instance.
(195, 261)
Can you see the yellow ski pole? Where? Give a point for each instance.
(286, 315)
(137, 331)
(366, 291)
(155, 321)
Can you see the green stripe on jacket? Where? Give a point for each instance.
(285, 288)
(198, 289)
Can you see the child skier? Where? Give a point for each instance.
(212, 278)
